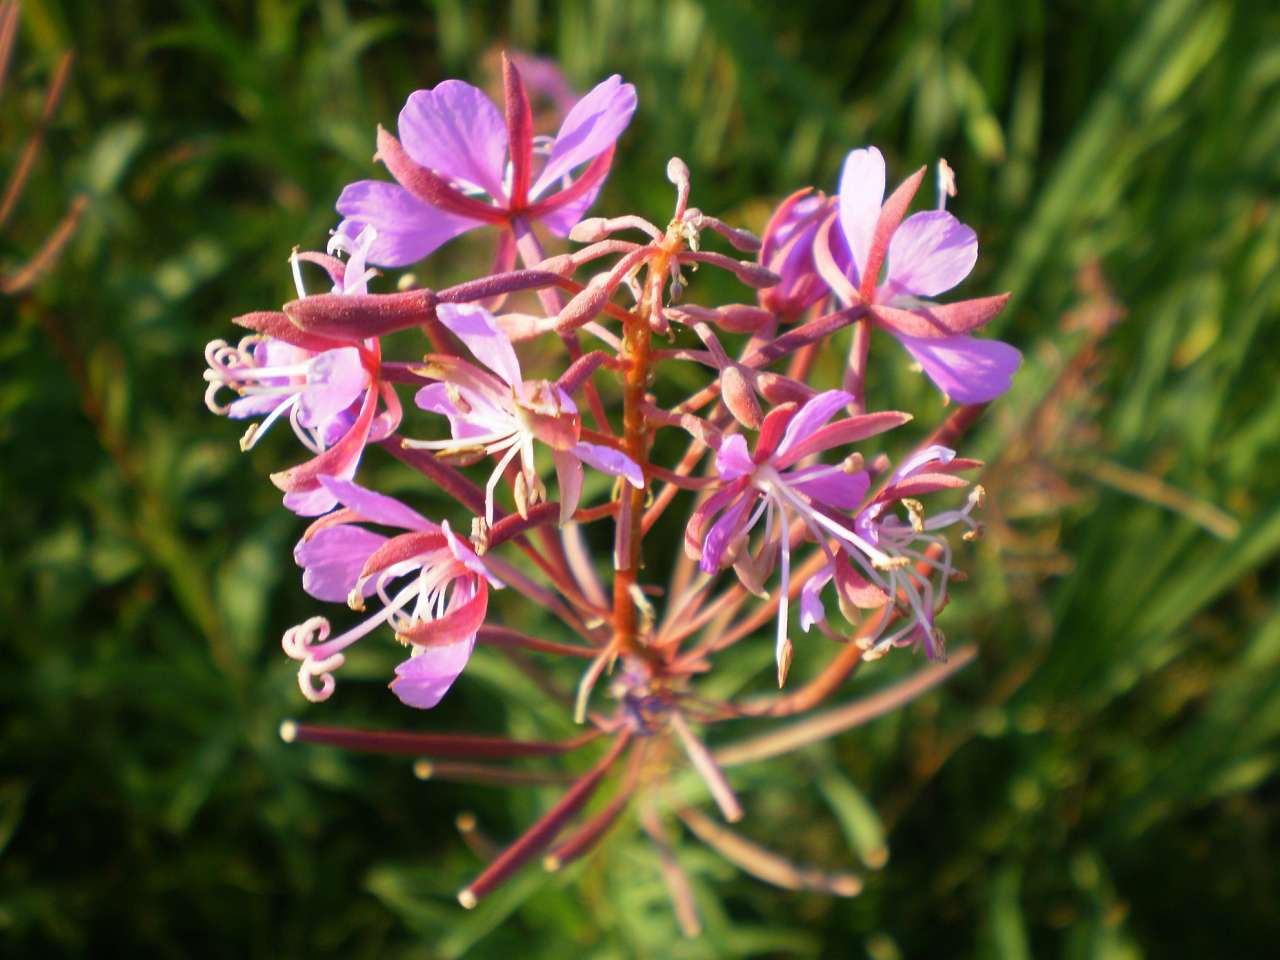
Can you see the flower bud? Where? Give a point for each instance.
(740, 398)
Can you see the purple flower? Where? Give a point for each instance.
(437, 611)
(770, 483)
(327, 389)
(896, 267)
(495, 411)
(459, 165)
(787, 250)
(888, 550)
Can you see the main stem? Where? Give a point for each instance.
(636, 436)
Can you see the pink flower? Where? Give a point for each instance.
(888, 550)
(920, 258)
(495, 411)
(437, 611)
(326, 388)
(459, 165)
(770, 483)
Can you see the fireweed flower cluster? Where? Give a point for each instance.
(784, 481)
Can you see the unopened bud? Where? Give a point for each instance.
(777, 389)
(678, 172)
(589, 230)
(740, 318)
(739, 239)
(561, 264)
(754, 275)
(740, 398)
(584, 306)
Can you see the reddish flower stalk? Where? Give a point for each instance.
(539, 836)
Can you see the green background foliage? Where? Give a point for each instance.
(1102, 782)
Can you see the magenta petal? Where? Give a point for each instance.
(930, 253)
(310, 502)
(861, 194)
(788, 252)
(376, 507)
(966, 369)
(811, 609)
(610, 461)
(724, 532)
(564, 218)
(732, 459)
(832, 488)
(407, 229)
(332, 560)
(455, 130)
(424, 679)
(592, 126)
(479, 331)
(816, 411)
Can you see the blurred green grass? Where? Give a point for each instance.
(1101, 783)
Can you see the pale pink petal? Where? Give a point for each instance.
(861, 193)
(811, 609)
(564, 218)
(332, 560)
(934, 453)
(592, 126)
(480, 333)
(407, 229)
(376, 507)
(732, 459)
(724, 532)
(842, 432)
(930, 253)
(424, 679)
(455, 130)
(335, 380)
(569, 478)
(610, 461)
(310, 503)
(478, 421)
(966, 369)
(832, 488)
(862, 593)
(816, 411)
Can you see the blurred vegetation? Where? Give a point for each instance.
(1101, 783)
